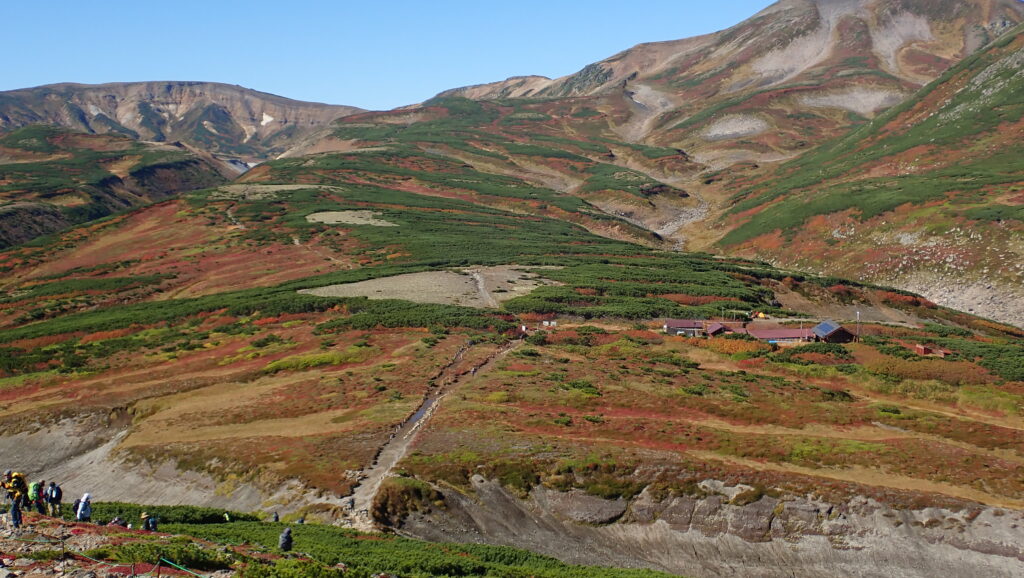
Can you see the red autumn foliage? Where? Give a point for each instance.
(644, 336)
(563, 337)
(905, 300)
(535, 317)
(841, 290)
(103, 335)
(519, 367)
(30, 344)
(729, 346)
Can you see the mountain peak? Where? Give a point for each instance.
(229, 120)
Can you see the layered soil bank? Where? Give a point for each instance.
(709, 536)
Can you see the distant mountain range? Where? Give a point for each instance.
(230, 121)
(787, 78)
(699, 124)
(52, 177)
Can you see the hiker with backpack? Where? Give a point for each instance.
(53, 496)
(284, 541)
(35, 496)
(17, 489)
(83, 512)
(148, 522)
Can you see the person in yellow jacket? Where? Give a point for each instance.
(17, 491)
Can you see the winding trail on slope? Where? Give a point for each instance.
(230, 213)
(361, 500)
(482, 291)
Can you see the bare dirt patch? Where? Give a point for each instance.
(735, 126)
(330, 145)
(480, 287)
(862, 100)
(349, 218)
(123, 166)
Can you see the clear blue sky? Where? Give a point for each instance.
(375, 55)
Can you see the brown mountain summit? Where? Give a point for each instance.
(230, 121)
(835, 58)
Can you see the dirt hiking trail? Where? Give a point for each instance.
(361, 500)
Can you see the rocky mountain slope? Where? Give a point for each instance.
(230, 121)
(926, 197)
(52, 178)
(779, 82)
(736, 109)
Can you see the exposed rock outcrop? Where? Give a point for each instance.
(710, 536)
(81, 455)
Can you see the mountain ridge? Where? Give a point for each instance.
(227, 120)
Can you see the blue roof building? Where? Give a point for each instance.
(831, 332)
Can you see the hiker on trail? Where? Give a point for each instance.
(14, 483)
(227, 517)
(285, 541)
(53, 496)
(276, 517)
(118, 521)
(148, 522)
(83, 513)
(35, 496)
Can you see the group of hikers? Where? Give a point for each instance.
(47, 500)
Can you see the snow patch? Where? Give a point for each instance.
(735, 126)
(267, 119)
(95, 110)
(862, 100)
(209, 126)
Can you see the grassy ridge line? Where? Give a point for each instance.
(463, 125)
